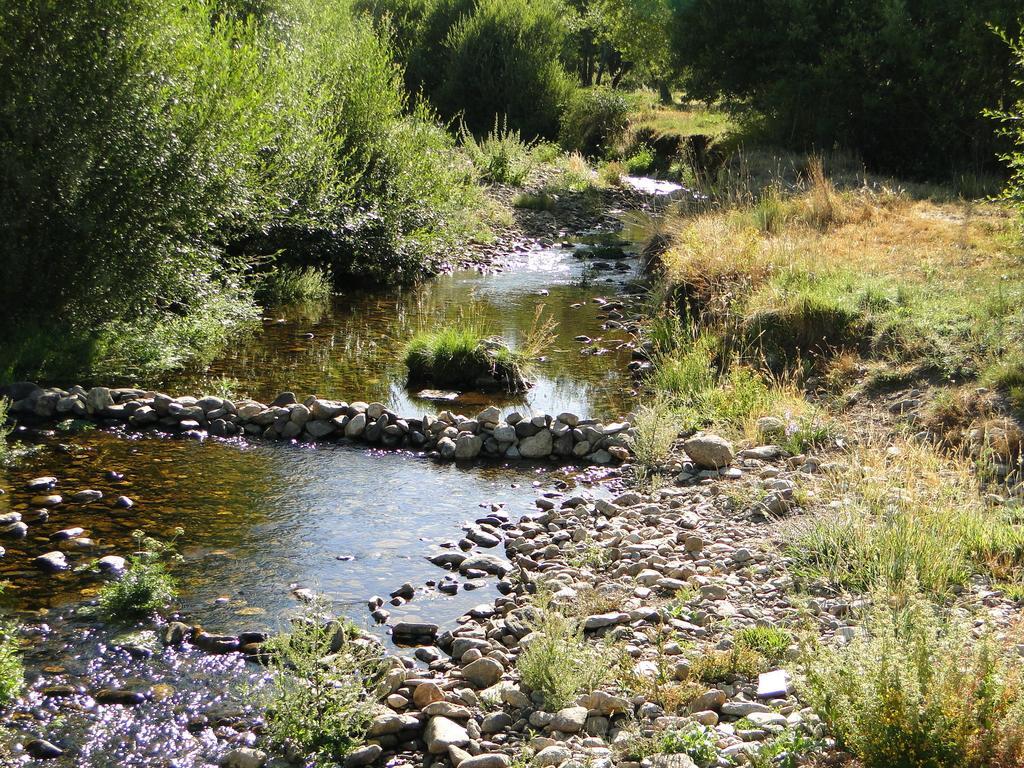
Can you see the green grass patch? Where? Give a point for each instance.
(770, 642)
(902, 518)
(501, 157)
(684, 120)
(12, 671)
(535, 201)
(464, 354)
(292, 285)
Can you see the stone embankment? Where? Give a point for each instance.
(447, 435)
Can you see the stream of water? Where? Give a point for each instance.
(262, 519)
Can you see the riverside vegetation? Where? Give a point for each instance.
(810, 547)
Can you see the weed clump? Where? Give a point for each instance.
(12, 672)
(146, 587)
(917, 689)
(558, 663)
(293, 285)
(326, 683)
(501, 157)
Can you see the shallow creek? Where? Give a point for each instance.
(262, 519)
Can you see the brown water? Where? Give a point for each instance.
(350, 348)
(261, 519)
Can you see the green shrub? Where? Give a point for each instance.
(770, 642)
(1012, 129)
(917, 690)
(291, 285)
(558, 663)
(594, 121)
(197, 143)
(715, 666)
(325, 685)
(146, 587)
(501, 157)
(504, 60)
(695, 740)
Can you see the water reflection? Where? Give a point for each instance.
(350, 348)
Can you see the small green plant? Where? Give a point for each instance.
(640, 162)
(5, 429)
(12, 672)
(917, 689)
(718, 665)
(594, 120)
(771, 642)
(790, 749)
(292, 285)
(805, 433)
(146, 587)
(326, 682)
(655, 429)
(695, 740)
(679, 606)
(558, 662)
(502, 157)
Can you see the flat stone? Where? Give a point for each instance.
(52, 562)
(569, 720)
(488, 760)
(483, 673)
(442, 733)
(551, 757)
(244, 757)
(359, 758)
(40, 749)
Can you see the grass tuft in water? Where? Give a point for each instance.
(293, 285)
(12, 672)
(464, 354)
(146, 587)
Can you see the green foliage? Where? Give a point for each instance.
(12, 672)
(292, 285)
(917, 690)
(655, 429)
(1012, 128)
(770, 642)
(594, 121)
(903, 83)
(146, 587)
(196, 135)
(501, 157)
(695, 740)
(5, 429)
(326, 682)
(559, 663)
(715, 666)
(504, 60)
(641, 161)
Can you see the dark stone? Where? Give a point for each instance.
(119, 697)
(283, 399)
(40, 749)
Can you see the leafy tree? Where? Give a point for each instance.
(902, 81)
(638, 30)
(1012, 120)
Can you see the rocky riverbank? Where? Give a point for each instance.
(446, 436)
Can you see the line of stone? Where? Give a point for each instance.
(447, 435)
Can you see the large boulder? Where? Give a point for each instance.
(709, 451)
